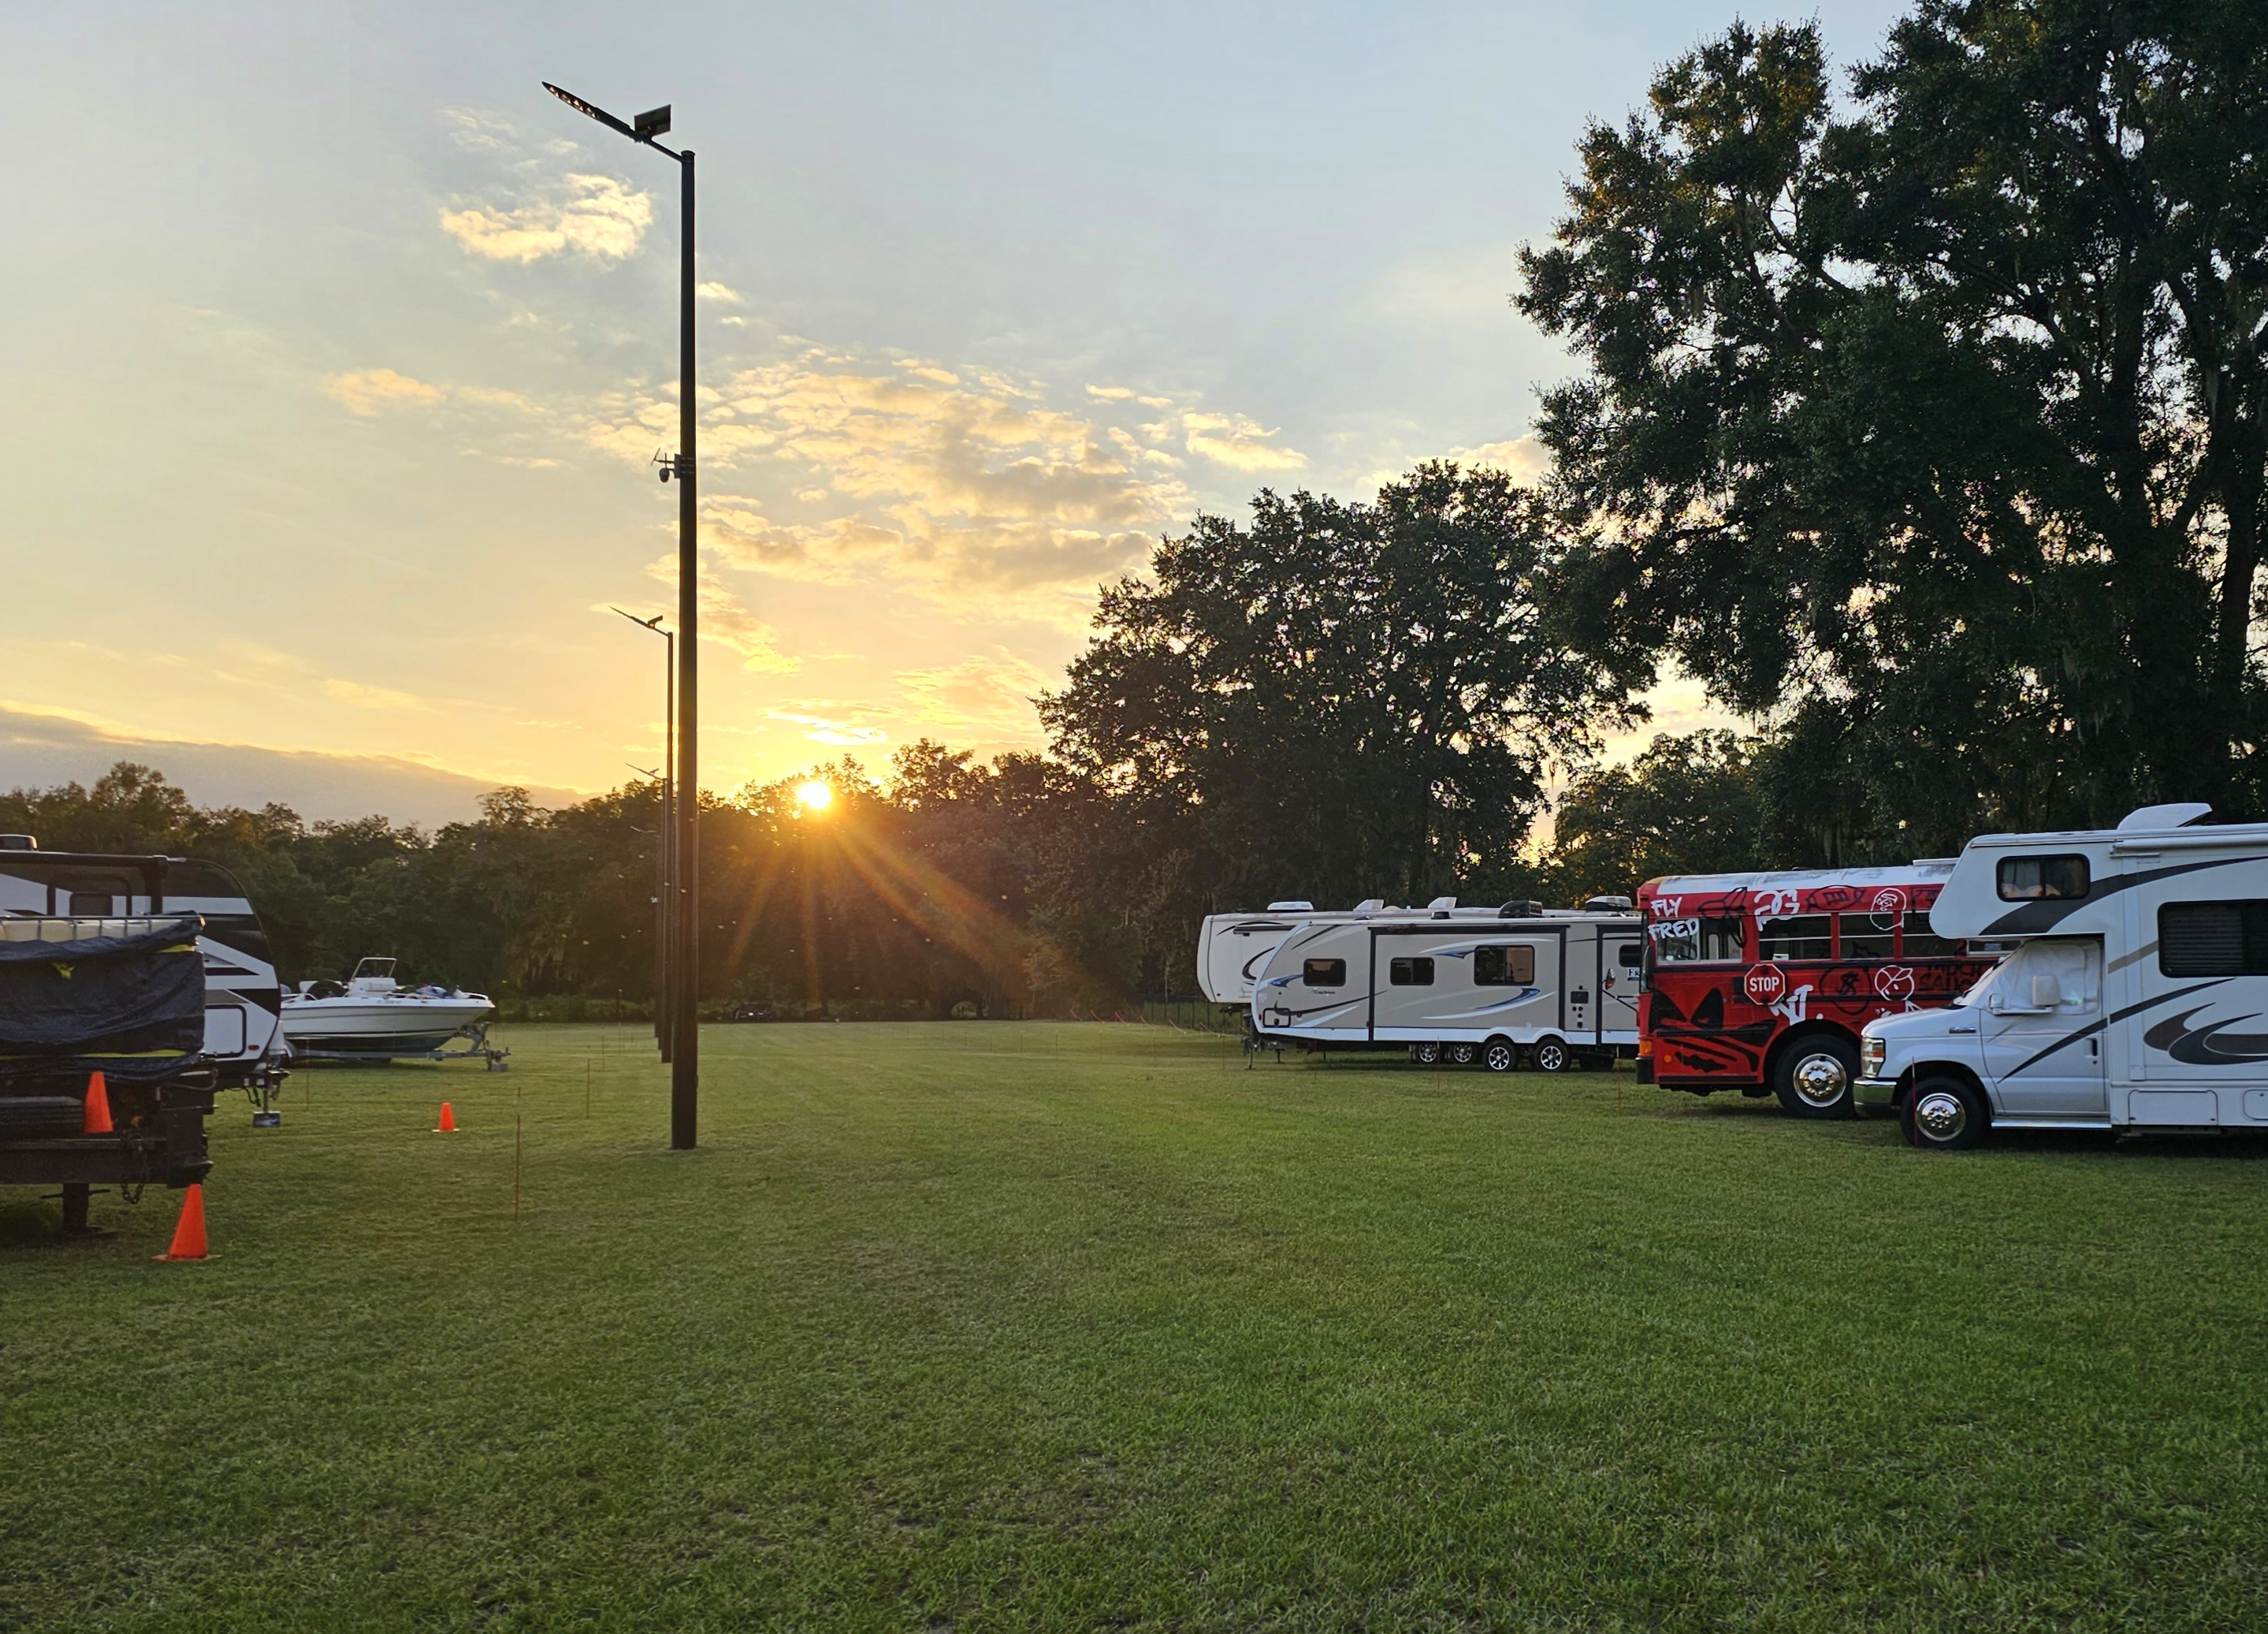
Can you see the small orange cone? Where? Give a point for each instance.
(189, 1235)
(95, 1119)
(448, 1124)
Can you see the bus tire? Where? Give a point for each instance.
(1813, 1076)
(1944, 1114)
(1425, 1054)
(1499, 1055)
(1551, 1054)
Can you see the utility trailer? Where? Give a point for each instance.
(123, 997)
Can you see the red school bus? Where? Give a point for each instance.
(1760, 982)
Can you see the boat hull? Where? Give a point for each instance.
(378, 1027)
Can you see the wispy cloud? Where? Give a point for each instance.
(837, 734)
(373, 391)
(1239, 443)
(725, 294)
(991, 696)
(593, 216)
(728, 624)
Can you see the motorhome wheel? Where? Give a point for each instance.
(1499, 1055)
(1462, 1055)
(1551, 1055)
(1943, 1115)
(1813, 1077)
(1425, 1054)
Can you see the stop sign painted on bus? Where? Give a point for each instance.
(1764, 984)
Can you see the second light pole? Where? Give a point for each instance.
(685, 1041)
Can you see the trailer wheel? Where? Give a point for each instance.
(1462, 1055)
(1499, 1055)
(1813, 1077)
(1550, 1054)
(1944, 1115)
(1425, 1054)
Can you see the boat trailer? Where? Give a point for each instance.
(471, 1042)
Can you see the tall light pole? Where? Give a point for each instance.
(665, 1013)
(685, 1041)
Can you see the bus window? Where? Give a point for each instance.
(1922, 942)
(1697, 941)
(1804, 936)
(1867, 936)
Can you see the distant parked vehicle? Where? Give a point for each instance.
(1549, 988)
(2133, 1000)
(1761, 982)
(756, 1009)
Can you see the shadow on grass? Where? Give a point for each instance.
(30, 1220)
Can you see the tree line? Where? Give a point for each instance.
(1927, 426)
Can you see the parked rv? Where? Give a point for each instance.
(243, 998)
(1554, 988)
(1762, 982)
(1231, 947)
(2132, 1000)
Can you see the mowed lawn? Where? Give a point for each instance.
(998, 1326)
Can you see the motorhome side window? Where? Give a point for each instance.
(1410, 973)
(1922, 942)
(1697, 941)
(2043, 879)
(1503, 964)
(2214, 939)
(1324, 973)
(1802, 937)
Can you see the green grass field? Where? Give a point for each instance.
(1006, 1326)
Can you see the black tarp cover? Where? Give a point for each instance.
(132, 1006)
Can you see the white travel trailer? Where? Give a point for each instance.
(1230, 947)
(243, 999)
(1557, 987)
(2133, 999)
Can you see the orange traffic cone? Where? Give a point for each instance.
(448, 1124)
(95, 1119)
(189, 1235)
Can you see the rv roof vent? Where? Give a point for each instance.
(2181, 814)
(1371, 904)
(1520, 909)
(1291, 907)
(1438, 902)
(1607, 904)
(18, 842)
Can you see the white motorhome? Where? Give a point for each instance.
(2132, 1001)
(1555, 987)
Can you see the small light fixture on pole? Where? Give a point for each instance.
(666, 838)
(684, 1001)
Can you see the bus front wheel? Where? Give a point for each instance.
(1813, 1077)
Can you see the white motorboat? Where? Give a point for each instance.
(371, 1014)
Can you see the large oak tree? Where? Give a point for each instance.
(1937, 426)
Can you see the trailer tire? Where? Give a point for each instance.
(1944, 1114)
(1425, 1054)
(1551, 1054)
(1814, 1075)
(1462, 1055)
(1499, 1055)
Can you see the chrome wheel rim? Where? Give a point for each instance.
(1500, 1058)
(1940, 1115)
(1428, 1054)
(1551, 1057)
(1821, 1080)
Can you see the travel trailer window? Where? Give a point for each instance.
(1631, 957)
(2043, 879)
(1802, 937)
(1867, 936)
(1410, 973)
(1324, 973)
(1503, 965)
(1697, 941)
(2214, 939)
(1922, 942)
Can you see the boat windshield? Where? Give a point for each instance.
(370, 968)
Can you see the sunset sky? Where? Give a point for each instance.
(336, 353)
